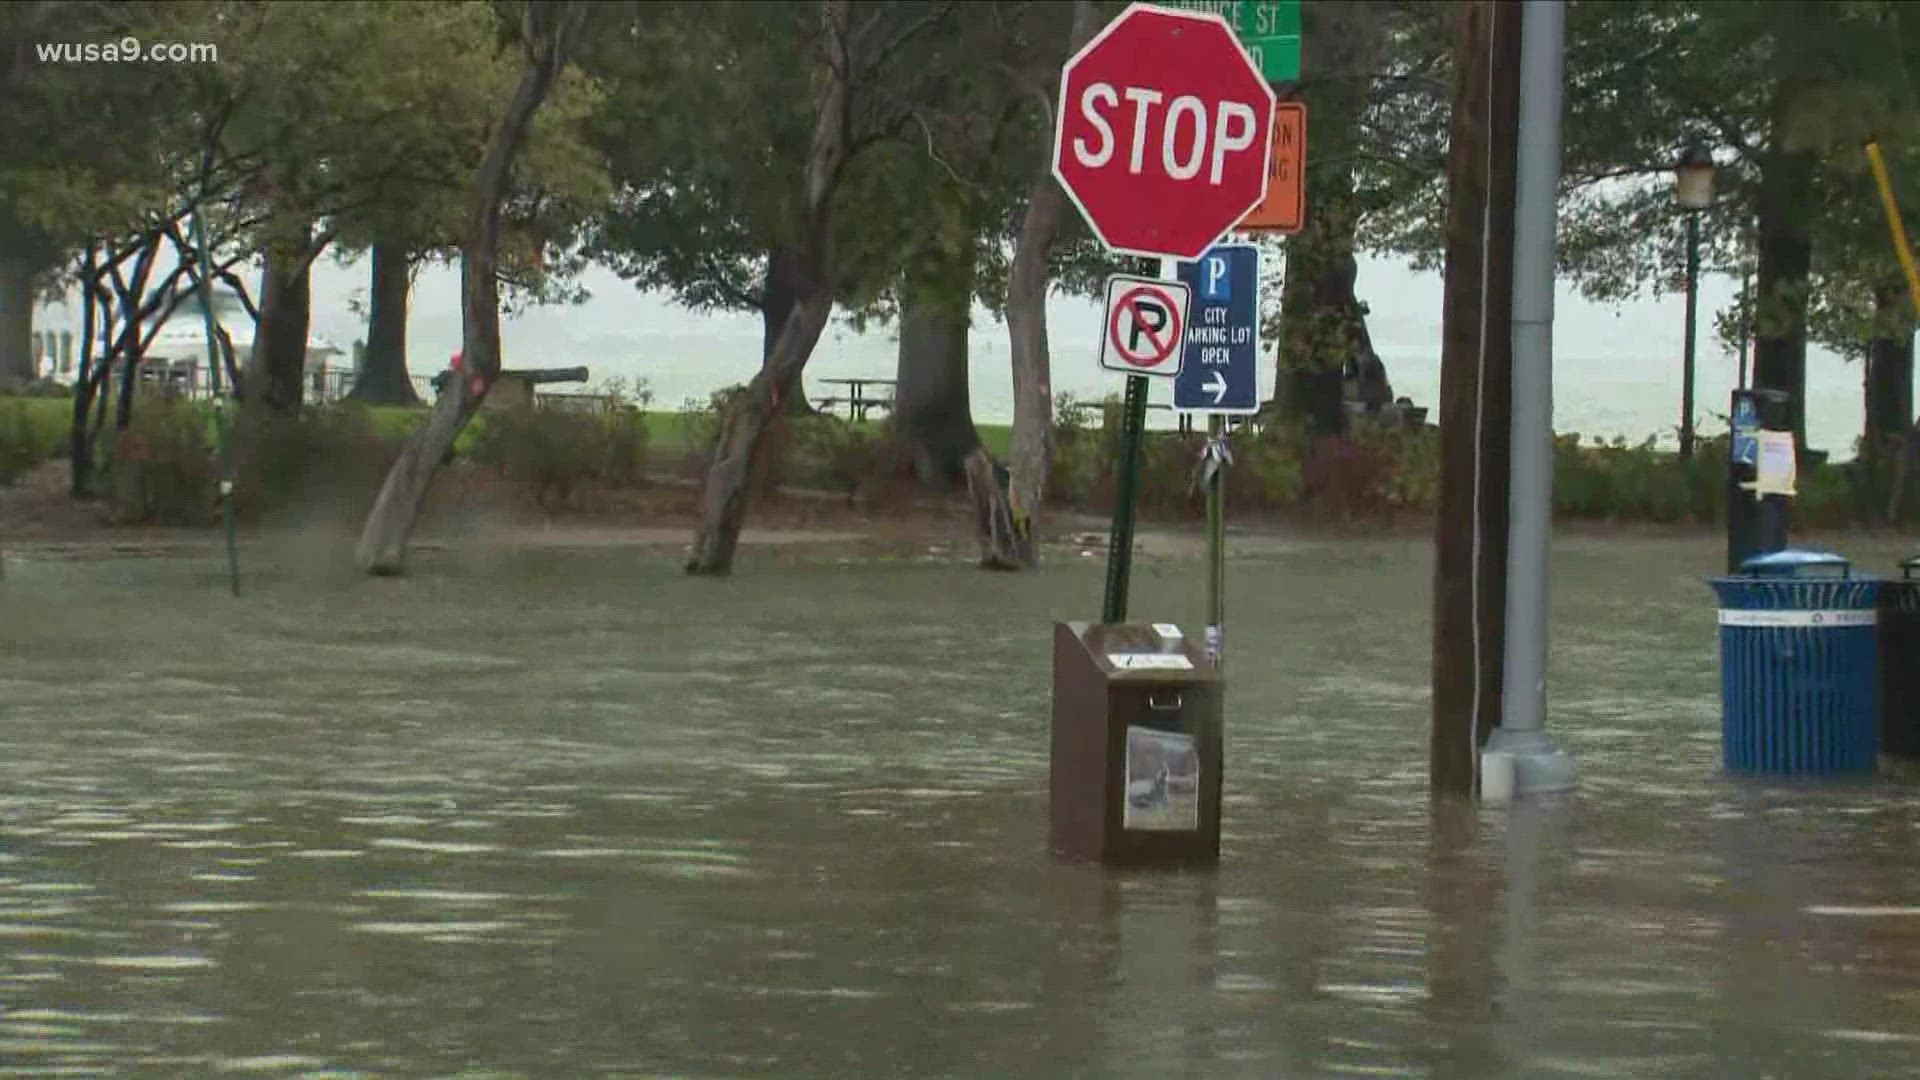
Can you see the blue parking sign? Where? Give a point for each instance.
(1221, 369)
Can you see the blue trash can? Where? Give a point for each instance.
(1799, 666)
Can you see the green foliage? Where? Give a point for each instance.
(1268, 466)
(699, 424)
(327, 455)
(1618, 481)
(1412, 456)
(834, 452)
(161, 470)
(1082, 455)
(29, 435)
(555, 451)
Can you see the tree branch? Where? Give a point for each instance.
(907, 33)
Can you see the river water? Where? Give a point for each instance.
(568, 812)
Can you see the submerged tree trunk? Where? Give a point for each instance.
(17, 363)
(1031, 458)
(933, 411)
(1032, 451)
(385, 379)
(1323, 327)
(548, 32)
(1476, 368)
(1889, 392)
(742, 438)
(79, 447)
(275, 375)
(743, 427)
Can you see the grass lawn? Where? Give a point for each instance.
(666, 429)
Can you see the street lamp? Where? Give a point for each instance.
(1693, 190)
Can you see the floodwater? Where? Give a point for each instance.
(568, 812)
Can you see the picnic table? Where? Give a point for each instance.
(856, 399)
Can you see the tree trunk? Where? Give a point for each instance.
(1470, 536)
(1032, 450)
(1323, 326)
(1889, 391)
(126, 350)
(384, 380)
(1786, 257)
(742, 438)
(548, 32)
(79, 447)
(778, 295)
(932, 410)
(16, 319)
(723, 501)
(275, 375)
(988, 483)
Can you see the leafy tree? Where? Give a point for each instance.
(550, 31)
(1778, 89)
(86, 150)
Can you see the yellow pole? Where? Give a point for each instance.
(1894, 225)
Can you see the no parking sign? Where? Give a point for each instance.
(1145, 328)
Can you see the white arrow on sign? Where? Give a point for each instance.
(1218, 385)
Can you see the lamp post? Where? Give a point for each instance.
(1693, 190)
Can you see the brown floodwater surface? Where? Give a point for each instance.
(569, 812)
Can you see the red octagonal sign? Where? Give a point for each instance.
(1163, 134)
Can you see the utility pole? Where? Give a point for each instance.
(1470, 536)
(1538, 766)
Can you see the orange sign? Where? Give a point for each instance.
(1285, 206)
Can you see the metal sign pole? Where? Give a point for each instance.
(1216, 550)
(1133, 424)
(203, 273)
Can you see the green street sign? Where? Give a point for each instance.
(1268, 29)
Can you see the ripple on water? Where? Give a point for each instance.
(1861, 1036)
(439, 896)
(270, 1063)
(436, 847)
(435, 931)
(37, 932)
(212, 907)
(161, 962)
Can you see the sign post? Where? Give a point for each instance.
(214, 360)
(1163, 133)
(1221, 377)
(1146, 326)
(1162, 140)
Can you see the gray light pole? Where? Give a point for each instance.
(1693, 190)
(1538, 766)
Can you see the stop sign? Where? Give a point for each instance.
(1163, 132)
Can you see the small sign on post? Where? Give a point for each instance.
(1284, 209)
(1145, 326)
(1222, 369)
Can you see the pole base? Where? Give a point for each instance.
(1537, 766)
